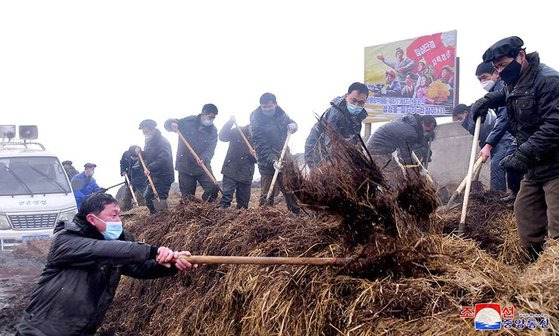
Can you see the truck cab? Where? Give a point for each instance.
(35, 192)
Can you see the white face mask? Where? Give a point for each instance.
(487, 85)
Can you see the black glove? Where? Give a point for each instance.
(480, 108)
(517, 161)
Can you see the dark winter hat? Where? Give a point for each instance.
(148, 123)
(485, 67)
(67, 162)
(89, 165)
(509, 46)
(459, 109)
(268, 98)
(209, 109)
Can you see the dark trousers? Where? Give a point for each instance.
(265, 182)
(230, 186)
(513, 180)
(163, 185)
(537, 212)
(187, 185)
(497, 179)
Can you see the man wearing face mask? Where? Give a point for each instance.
(531, 95)
(86, 260)
(499, 140)
(269, 125)
(345, 116)
(84, 184)
(158, 158)
(201, 134)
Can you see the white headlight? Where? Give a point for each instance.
(4, 223)
(67, 215)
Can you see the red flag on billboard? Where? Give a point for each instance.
(433, 50)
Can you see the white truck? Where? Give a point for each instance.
(35, 192)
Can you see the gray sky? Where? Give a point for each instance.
(87, 72)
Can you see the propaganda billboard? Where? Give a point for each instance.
(417, 75)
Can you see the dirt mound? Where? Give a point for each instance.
(406, 276)
(491, 224)
(425, 283)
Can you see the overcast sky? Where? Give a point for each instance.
(87, 72)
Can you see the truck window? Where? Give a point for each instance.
(31, 176)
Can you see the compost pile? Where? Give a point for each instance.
(407, 276)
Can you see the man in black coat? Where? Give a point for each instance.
(201, 134)
(159, 161)
(345, 116)
(499, 141)
(131, 166)
(69, 168)
(84, 265)
(238, 168)
(269, 125)
(531, 96)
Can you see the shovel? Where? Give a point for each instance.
(462, 224)
(136, 204)
(250, 149)
(276, 173)
(157, 203)
(236, 260)
(427, 175)
(477, 169)
(206, 170)
(115, 185)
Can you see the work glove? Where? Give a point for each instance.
(480, 108)
(278, 166)
(517, 161)
(292, 128)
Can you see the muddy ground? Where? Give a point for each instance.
(18, 275)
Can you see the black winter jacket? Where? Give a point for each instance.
(533, 112)
(203, 140)
(402, 134)
(159, 158)
(268, 136)
(80, 278)
(317, 145)
(239, 163)
(501, 129)
(130, 164)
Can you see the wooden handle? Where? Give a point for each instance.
(477, 168)
(462, 224)
(252, 152)
(428, 176)
(131, 189)
(280, 160)
(155, 194)
(206, 170)
(234, 260)
(458, 191)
